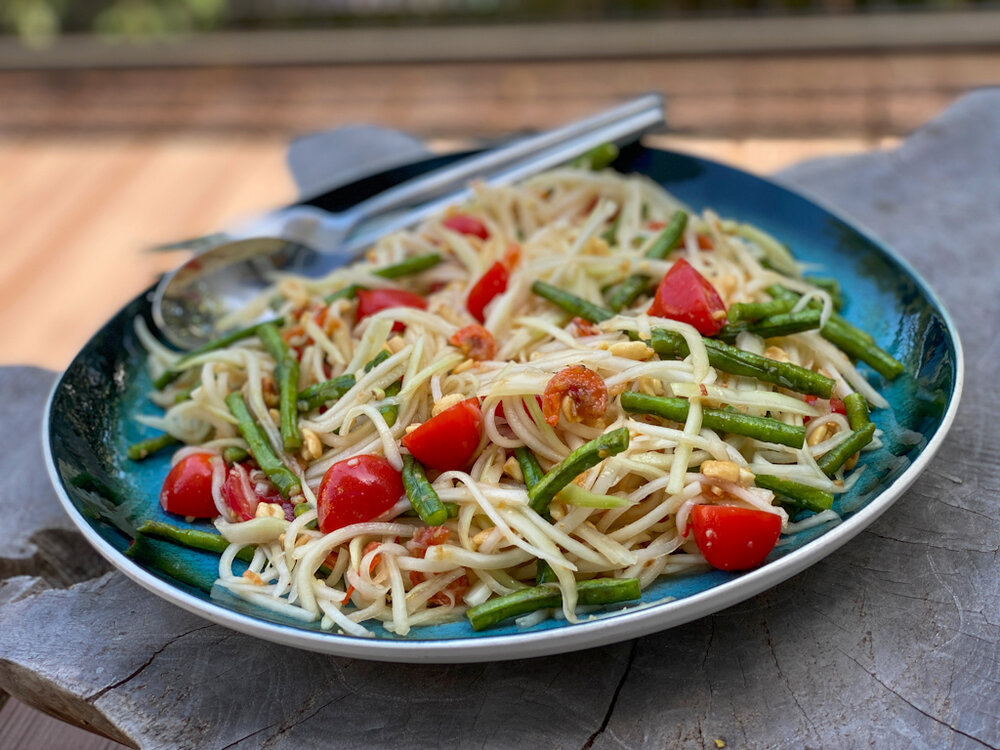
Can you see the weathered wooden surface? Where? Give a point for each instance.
(892, 642)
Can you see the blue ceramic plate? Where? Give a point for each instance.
(89, 426)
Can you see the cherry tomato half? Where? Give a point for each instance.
(686, 296)
(356, 490)
(465, 224)
(490, 284)
(244, 494)
(371, 301)
(449, 440)
(733, 538)
(187, 490)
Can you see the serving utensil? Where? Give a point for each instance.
(189, 302)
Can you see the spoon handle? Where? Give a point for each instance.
(457, 175)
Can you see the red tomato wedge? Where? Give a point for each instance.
(449, 440)
(465, 224)
(490, 284)
(356, 490)
(243, 494)
(371, 301)
(686, 296)
(733, 538)
(187, 490)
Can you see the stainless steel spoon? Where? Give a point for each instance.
(189, 301)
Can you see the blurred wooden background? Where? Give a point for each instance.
(96, 165)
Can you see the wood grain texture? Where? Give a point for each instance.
(892, 642)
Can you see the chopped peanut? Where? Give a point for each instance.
(636, 350)
(821, 433)
(395, 344)
(270, 390)
(725, 470)
(727, 285)
(275, 414)
(650, 386)
(464, 366)
(269, 510)
(597, 246)
(777, 354)
(513, 469)
(411, 427)
(312, 447)
(483, 535)
(446, 402)
(747, 477)
(294, 291)
(255, 579)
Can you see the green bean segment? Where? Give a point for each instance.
(738, 362)
(548, 596)
(597, 158)
(421, 494)
(720, 420)
(782, 324)
(531, 472)
(587, 455)
(287, 372)
(800, 495)
(318, 394)
(740, 312)
(145, 448)
(837, 456)
(233, 454)
(624, 294)
(857, 411)
(851, 340)
(410, 266)
(571, 303)
(193, 538)
(222, 342)
(282, 477)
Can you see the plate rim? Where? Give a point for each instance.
(628, 624)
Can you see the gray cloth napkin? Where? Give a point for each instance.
(890, 642)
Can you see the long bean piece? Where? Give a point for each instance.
(628, 291)
(738, 362)
(318, 394)
(330, 390)
(193, 538)
(348, 292)
(390, 412)
(597, 158)
(836, 457)
(145, 448)
(571, 303)
(720, 355)
(421, 494)
(733, 422)
(594, 591)
(851, 340)
(282, 477)
(783, 324)
(233, 454)
(531, 472)
(587, 455)
(743, 311)
(222, 342)
(410, 266)
(797, 494)
(857, 411)
(287, 370)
